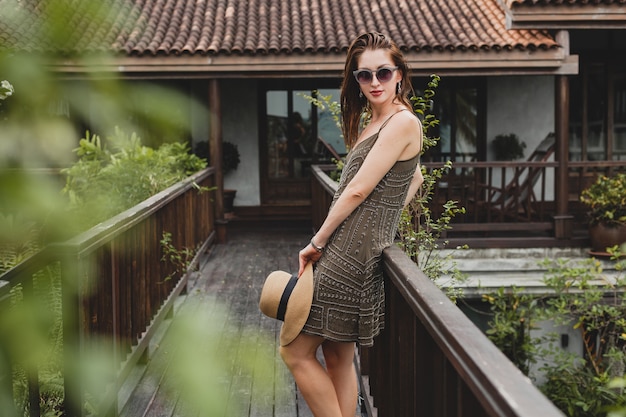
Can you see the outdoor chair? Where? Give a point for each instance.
(515, 200)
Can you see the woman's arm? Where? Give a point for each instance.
(394, 142)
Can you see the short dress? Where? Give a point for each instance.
(349, 298)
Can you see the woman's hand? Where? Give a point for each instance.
(306, 255)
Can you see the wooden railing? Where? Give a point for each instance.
(504, 208)
(116, 288)
(431, 360)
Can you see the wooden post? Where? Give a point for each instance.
(562, 219)
(215, 144)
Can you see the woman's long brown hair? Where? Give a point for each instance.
(352, 105)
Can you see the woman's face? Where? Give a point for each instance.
(377, 91)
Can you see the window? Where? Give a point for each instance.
(457, 105)
(294, 126)
(295, 135)
(597, 113)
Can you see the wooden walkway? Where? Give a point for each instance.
(219, 354)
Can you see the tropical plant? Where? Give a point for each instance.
(606, 200)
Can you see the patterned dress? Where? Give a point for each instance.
(348, 299)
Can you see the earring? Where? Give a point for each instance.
(360, 94)
(399, 87)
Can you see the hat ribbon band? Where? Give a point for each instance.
(282, 305)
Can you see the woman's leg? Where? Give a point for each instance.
(314, 383)
(339, 358)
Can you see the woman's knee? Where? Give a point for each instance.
(338, 355)
(289, 356)
(299, 351)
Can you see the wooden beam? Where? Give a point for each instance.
(552, 60)
(215, 144)
(562, 218)
(588, 16)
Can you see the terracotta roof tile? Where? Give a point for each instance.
(208, 27)
(513, 3)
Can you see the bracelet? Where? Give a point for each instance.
(317, 248)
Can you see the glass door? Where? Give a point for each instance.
(289, 141)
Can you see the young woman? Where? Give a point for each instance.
(381, 175)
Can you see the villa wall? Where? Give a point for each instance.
(523, 105)
(240, 125)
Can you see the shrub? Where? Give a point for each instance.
(606, 200)
(581, 297)
(106, 181)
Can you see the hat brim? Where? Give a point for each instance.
(298, 307)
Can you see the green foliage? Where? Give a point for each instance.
(213, 357)
(510, 325)
(578, 391)
(606, 200)
(326, 102)
(6, 90)
(29, 347)
(422, 234)
(106, 181)
(180, 258)
(37, 131)
(422, 105)
(24, 241)
(582, 297)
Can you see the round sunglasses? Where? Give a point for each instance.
(365, 76)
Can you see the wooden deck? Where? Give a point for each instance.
(216, 366)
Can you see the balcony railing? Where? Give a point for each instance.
(431, 360)
(116, 289)
(514, 204)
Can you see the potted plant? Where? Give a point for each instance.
(508, 147)
(606, 200)
(230, 157)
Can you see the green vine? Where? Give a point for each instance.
(179, 258)
(420, 234)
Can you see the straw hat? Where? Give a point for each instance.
(288, 298)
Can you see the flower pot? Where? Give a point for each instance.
(229, 198)
(603, 236)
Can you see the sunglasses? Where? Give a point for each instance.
(365, 76)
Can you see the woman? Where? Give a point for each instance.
(381, 175)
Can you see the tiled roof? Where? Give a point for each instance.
(513, 3)
(264, 27)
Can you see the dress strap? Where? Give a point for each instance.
(389, 118)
